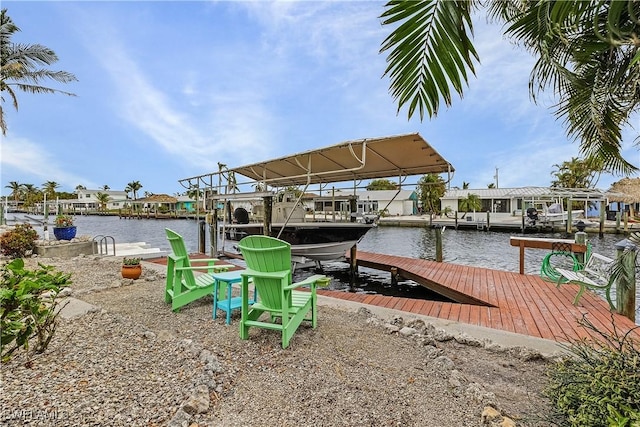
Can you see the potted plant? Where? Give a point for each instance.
(63, 227)
(131, 268)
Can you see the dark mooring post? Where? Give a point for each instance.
(268, 210)
(213, 233)
(438, 244)
(353, 261)
(626, 285)
(201, 237)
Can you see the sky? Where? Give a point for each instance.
(166, 90)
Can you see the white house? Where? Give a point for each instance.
(392, 202)
(87, 200)
(505, 202)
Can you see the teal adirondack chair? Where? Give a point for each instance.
(269, 265)
(182, 285)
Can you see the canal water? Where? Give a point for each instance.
(465, 247)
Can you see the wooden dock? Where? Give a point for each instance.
(520, 303)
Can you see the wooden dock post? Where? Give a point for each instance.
(602, 217)
(456, 216)
(488, 223)
(201, 237)
(439, 244)
(626, 285)
(353, 261)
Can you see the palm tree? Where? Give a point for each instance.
(469, 203)
(49, 189)
(133, 186)
(577, 173)
(20, 67)
(106, 187)
(16, 189)
(103, 199)
(588, 55)
(80, 187)
(431, 188)
(31, 195)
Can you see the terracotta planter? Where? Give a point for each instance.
(131, 271)
(64, 233)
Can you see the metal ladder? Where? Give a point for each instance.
(103, 245)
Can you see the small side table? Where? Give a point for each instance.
(222, 295)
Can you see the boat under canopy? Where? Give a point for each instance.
(397, 156)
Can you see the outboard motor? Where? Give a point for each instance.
(241, 216)
(532, 216)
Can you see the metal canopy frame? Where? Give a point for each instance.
(370, 158)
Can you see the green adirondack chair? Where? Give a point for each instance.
(269, 265)
(182, 285)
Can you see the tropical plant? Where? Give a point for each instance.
(430, 189)
(131, 261)
(587, 52)
(19, 242)
(105, 187)
(103, 199)
(63, 221)
(470, 203)
(133, 187)
(80, 187)
(20, 67)
(28, 306)
(49, 188)
(31, 195)
(600, 384)
(16, 189)
(381, 184)
(577, 173)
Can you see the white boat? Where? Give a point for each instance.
(282, 213)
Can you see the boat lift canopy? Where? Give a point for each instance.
(369, 158)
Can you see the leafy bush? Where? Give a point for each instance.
(600, 384)
(17, 243)
(27, 306)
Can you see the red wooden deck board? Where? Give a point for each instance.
(454, 314)
(508, 315)
(558, 307)
(512, 296)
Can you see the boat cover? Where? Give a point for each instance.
(370, 158)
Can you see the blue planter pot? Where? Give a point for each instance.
(64, 233)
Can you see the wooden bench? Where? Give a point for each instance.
(596, 274)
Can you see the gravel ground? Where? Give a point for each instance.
(133, 362)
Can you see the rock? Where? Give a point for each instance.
(397, 320)
(406, 331)
(468, 340)
(489, 414)
(442, 364)
(198, 402)
(507, 422)
(180, 419)
(391, 328)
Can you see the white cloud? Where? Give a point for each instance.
(26, 157)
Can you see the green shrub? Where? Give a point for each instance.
(17, 243)
(27, 306)
(600, 384)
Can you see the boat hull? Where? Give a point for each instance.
(315, 241)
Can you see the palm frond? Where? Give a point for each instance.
(430, 52)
